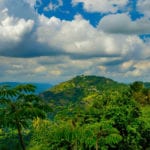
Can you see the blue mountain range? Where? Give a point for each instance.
(40, 87)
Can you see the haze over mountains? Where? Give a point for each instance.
(40, 87)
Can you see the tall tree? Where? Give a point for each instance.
(19, 106)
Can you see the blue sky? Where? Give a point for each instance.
(55, 40)
(65, 10)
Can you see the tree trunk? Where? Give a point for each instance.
(20, 136)
(97, 144)
(75, 146)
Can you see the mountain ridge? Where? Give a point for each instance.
(80, 88)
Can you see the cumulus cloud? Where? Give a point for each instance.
(19, 8)
(43, 69)
(78, 37)
(53, 6)
(143, 7)
(31, 2)
(18, 22)
(140, 71)
(105, 6)
(55, 50)
(12, 31)
(72, 36)
(122, 24)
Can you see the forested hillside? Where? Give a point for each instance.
(86, 88)
(84, 113)
(81, 88)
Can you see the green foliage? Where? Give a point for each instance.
(146, 114)
(18, 107)
(81, 88)
(137, 86)
(19, 104)
(146, 129)
(111, 121)
(140, 93)
(89, 113)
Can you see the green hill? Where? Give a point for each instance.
(81, 88)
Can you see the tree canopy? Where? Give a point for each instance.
(18, 107)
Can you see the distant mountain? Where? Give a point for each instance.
(81, 88)
(40, 87)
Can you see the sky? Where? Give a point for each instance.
(54, 40)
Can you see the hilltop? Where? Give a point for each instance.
(81, 88)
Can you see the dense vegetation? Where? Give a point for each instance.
(81, 88)
(84, 113)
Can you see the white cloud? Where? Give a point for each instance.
(19, 8)
(12, 30)
(144, 7)
(141, 69)
(103, 6)
(126, 65)
(79, 38)
(53, 6)
(40, 69)
(112, 49)
(122, 24)
(43, 69)
(76, 37)
(31, 2)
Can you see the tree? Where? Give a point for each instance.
(19, 106)
(109, 121)
(140, 93)
(137, 86)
